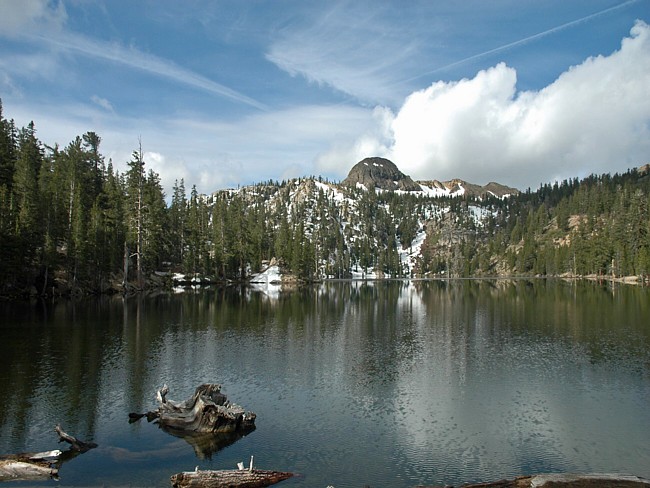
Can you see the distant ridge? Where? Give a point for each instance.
(459, 187)
(383, 174)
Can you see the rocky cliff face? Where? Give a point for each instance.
(379, 173)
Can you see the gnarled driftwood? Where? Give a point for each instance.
(207, 411)
(75, 444)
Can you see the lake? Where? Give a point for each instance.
(386, 384)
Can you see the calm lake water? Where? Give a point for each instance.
(386, 384)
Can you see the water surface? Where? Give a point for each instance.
(386, 384)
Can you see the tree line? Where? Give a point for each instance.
(596, 226)
(66, 214)
(69, 219)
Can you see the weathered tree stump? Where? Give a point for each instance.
(207, 411)
(228, 478)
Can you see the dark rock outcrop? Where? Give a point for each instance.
(383, 174)
(379, 173)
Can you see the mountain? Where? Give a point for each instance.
(379, 173)
(383, 174)
(457, 187)
(597, 226)
(351, 232)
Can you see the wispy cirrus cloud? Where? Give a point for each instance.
(524, 40)
(353, 48)
(136, 59)
(43, 22)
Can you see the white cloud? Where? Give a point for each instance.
(134, 58)
(351, 48)
(594, 118)
(262, 146)
(345, 152)
(102, 102)
(17, 17)
(43, 21)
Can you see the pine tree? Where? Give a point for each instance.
(96, 160)
(10, 252)
(194, 235)
(135, 181)
(154, 236)
(114, 220)
(7, 152)
(177, 222)
(25, 190)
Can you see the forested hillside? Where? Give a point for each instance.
(71, 223)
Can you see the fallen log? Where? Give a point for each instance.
(565, 480)
(26, 470)
(206, 411)
(34, 466)
(228, 478)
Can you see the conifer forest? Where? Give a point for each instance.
(71, 223)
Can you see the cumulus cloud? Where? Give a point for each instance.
(593, 118)
(344, 152)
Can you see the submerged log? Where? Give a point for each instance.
(207, 411)
(566, 480)
(228, 478)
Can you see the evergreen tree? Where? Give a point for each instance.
(154, 236)
(134, 212)
(177, 222)
(114, 232)
(25, 190)
(7, 152)
(196, 234)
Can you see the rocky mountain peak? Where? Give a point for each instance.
(379, 173)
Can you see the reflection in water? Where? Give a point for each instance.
(207, 444)
(353, 383)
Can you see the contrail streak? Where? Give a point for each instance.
(525, 40)
(146, 62)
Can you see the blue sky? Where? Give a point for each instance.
(227, 93)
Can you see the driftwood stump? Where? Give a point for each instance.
(207, 411)
(228, 478)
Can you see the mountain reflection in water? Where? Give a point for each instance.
(381, 383)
